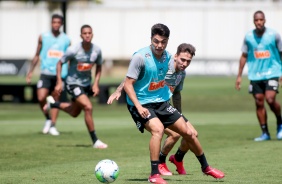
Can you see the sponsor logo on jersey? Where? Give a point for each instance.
(262, 54)
(82, 67)
(171, 89)
(55, 54)
(156, 85)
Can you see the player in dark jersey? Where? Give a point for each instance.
(82, 57)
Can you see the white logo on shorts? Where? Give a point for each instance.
(273, 83)
(250, 88)
(39, 84)
(76, 91)
(171, 109)
(138, 124)
(149, 115)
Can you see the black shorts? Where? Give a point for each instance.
(49, 82)
(259, 87)
(75, 90)
(167, 114)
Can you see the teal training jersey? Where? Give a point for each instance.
(151, 88)
(263, 55)
(51, 52)
(81, 63)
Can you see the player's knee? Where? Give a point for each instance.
(75, 115)
(41, 99)
(189, 134)
(157, 132)
(270, 101)
(87, 108)
(175, 137)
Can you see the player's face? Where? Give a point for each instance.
(86, 34)
(182, 61)
(158, 45)
(56, 24)
(259, 21)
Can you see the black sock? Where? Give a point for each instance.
(264, 129)
(155, 167)
(55, 105)
(203, 161)
(162, 157)
(52, 124)
(179, 155)
(93, 136)
(47, 116)
(278, 120)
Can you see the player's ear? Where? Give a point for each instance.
(175, 56)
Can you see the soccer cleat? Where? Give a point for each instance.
(179, 165)
(53, 131)
(263, 137)
(156, 178)
(279, 132)
(99, 145)
(209, 171)
(164, 170)
(50, 100)
(46, 127)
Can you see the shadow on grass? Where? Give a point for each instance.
(76, 145)
(61, 133)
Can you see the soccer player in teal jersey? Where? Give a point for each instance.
(262, 50)
(174, 79)
(51, 47)
(147, 102)
(82, 58)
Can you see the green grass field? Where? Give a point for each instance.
(224, 118)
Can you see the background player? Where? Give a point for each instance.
(50, 48)
(262, 50)
(82, 57)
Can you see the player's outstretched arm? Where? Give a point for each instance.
(116, 94)
(242, 63)
(95, 87)
(34, 60)
(59, 84)
(176, 99)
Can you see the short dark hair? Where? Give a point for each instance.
(57, 16)
(160, 29)
(259, 12)
(85, 26)
(185, 47)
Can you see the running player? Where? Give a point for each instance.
(82, 57)
(51, 47)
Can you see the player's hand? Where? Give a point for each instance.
(58, 88)
(143, 112)
(238, 83)
(28, 78)
(114, 96)
(95, 90)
